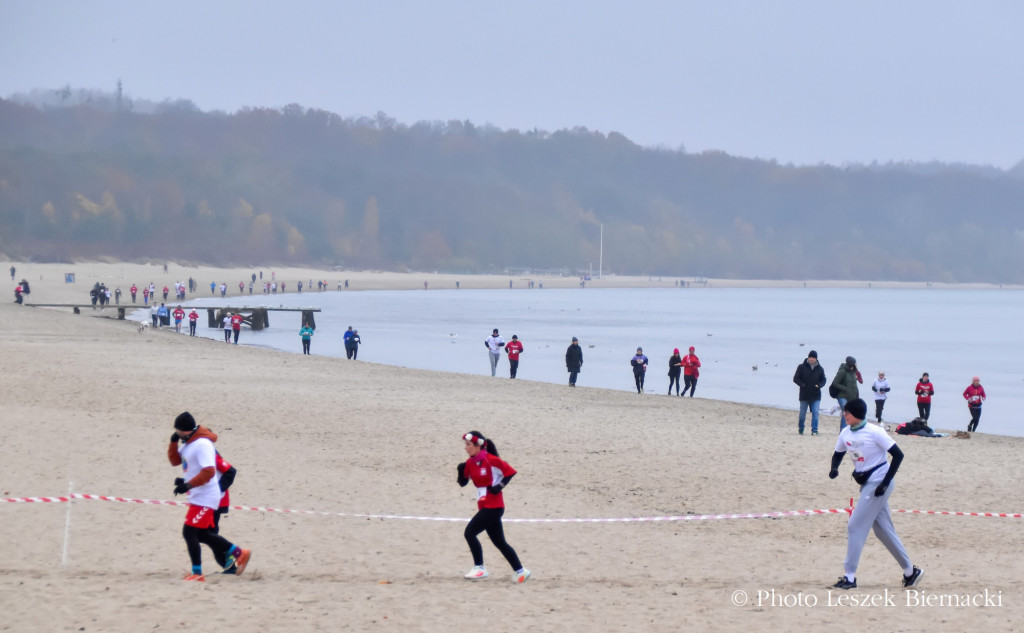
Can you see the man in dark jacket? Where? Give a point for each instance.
(810, 377)
(846, 381)
(574, 360)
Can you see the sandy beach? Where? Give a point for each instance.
(89, 404)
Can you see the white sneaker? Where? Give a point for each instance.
(477, 573)
(521, 576)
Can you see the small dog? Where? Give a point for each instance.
(143, 326)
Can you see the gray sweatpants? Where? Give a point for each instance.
(873, 512)
(494, 361)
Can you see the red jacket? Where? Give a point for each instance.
(514, 349)
(924, 391)
(974, 395)
(236, 321)
(690, 365)
(486, 470)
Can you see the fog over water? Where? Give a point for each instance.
(952, 334)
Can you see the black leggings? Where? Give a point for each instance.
(489, 520)
(638, 377)
(975, 418)
(689, 382)
(194, 536)
(305, 346)
(924, 409)
(879, 404)
(673, 380)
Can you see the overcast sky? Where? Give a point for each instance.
(798, 81)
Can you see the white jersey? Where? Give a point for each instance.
(494, 343)
(867, 448)
(878, 386)
(195, 456)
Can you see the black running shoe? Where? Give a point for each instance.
(847, 584)
(913, 578)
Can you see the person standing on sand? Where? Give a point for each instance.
(691, 371)
(574, 360)
(490, 474)
(494, 343)
(513, 349)
(675, 367)
(924, 390)
(810, 377)
(639, 364)
(867, 446)
(191, 447)
(881, 389)
(349, 344)
(845, 383)
(306, 333)
(974, 394)
(134, 290)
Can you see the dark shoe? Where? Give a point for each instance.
(814, 432)
(800, 431)
(913, 578)
(846, 584)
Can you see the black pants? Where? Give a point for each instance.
(879, 405)
(194, 536)
(220, 556)
(638, 378)
(689, 382)
(236, 335)
(350, 351)
(572, 377)
(513, 367)
(924, 409)
(975, 417)
(489, 520)
(227, 335)
(305, 346)
(673, 380)
(191, 328)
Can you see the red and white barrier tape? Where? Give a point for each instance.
(689, 517)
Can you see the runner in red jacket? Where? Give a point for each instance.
(513, 348)
(490, 474)
(691, 370)
(974, 394)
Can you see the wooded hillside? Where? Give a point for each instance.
(306, 186)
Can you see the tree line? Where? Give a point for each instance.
(304, 186)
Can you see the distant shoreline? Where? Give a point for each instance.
(123, 275)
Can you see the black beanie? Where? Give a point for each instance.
(185, 422)
(857, 408)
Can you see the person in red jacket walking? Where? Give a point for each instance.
(514, 348)
(490, 474)
(974, 394)
(236, 325)
(924, 390)
(691, 370)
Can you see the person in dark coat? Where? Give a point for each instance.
(574, 360)
(810, 377)
(675, 368)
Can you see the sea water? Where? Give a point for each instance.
(750, 341)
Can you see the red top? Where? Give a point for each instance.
(690, 365)
(924, 392)
(974, 395)
(236, 321)
(222, 467)
(486, 470)
(178, 314)
(514, 349)
(134, 289)
(193, 316)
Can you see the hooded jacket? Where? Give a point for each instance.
(846, 382)
(810, 379)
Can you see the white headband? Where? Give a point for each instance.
(469, 437)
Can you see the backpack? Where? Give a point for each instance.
(833, 391)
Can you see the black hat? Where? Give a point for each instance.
(515, 337)
(185, 422)
(812, 354)
(495, 331)
(857, 408)
(575, 339)
(850, 360)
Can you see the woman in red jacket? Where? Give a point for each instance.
(974, 394)
(490, 474)
(924, 390)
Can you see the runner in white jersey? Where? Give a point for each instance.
(198, 459)
(867, 445)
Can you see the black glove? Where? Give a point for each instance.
(180, 486)
(175, 437)
(880, 490)
(832, 474)
(461, 468)
(495, 489)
